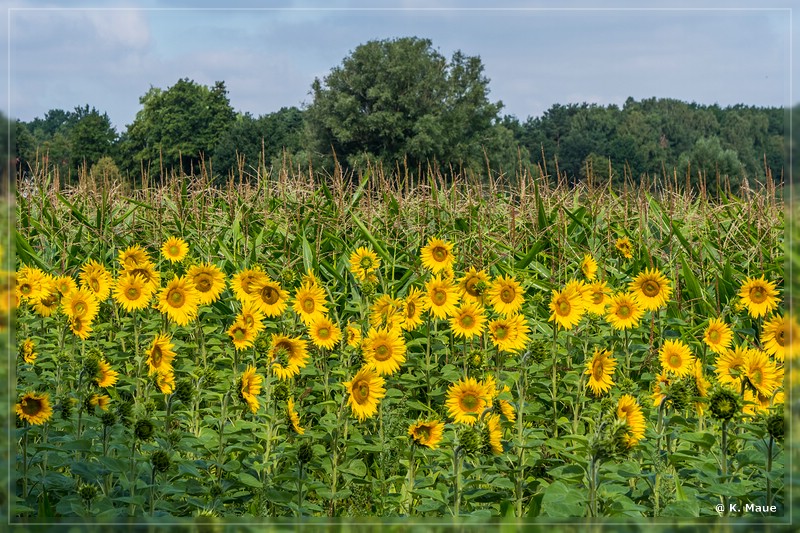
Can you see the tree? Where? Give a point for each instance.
(180, 125)
(91, 137)
(400, 101)
(709, 158)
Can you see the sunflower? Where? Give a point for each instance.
(506, 295)
(148, 272)
(179, 300)
(209, 281)
(774, 336)
(509, 334)
(761, 373)
(100, 400)
(34, 408)
(242, 282)
(467, 399)
(287, 355)
(268, 296)
(324, 333)
(473, 285)
(81, 327)
(505, 407)
(294, 418)
(661, 386)
(427, 433)
(132, 292)
(28, 351)
(442, 297)
(31, 283)
(701, 384)
(468, 320)
(160, 354)
(309, 278)
(250, 387)
(352, 335)
(494, 434)
(105, 376)
(759, 296)
(676, 357)
(628, 409)
(566, 307)
(384, 350)
(413, 306)
(81, 303)
(96, 278)
(309, 302)
(363, 262)
(252, 317)
(624, 312)
(717, 335)
(133, 257)
(165, 380)
(365, 389)
(600, 369)
(386, 311)
(64, 285)
(47, 305)
(597, 297)
(624, 247)
(175, 249)
(755, 402)
(589, 267)
(437, 255)
(241, 334)
(730, 367)
(651, 289)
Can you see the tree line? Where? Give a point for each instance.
(399, 103)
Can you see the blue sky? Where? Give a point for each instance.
(268, 58)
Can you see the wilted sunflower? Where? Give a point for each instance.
(132, 292)
(628, 409)
(624, 247)
(352, 335)
(100, 400)
(133, 257)
(676, 357)
(241, 334)
(366, 390)
(624, 312)
(730, 367)
(268, 296)
(441, 297)
(774, 336)
(294, 418)
(81, 327)
(287, 355)
(324, 333)
(506, 295)
(309, 302)
(96, 278)
(34, 408)
(600, 369)
(427, 433)
(566, 307)
(105, 376)
(175, 249)
(651, 289)
(437, 255)
(494, 434)
(413, 306)
(250, 387)
(386, 311)
(179, 300)
(28, 351)
(759, 296)
(467, 399)
(468, 321)
(160, 354)
(81, 303)
(717, 335)
(384, 350)
(589, 267)
(242, 282)
(761, 373)
(597, 297)
(209, 281)
(509, 334)
(363, 262)
(473, 285)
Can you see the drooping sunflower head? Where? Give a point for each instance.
(624, 312)
(755, 402)
(718, 335)
(660, 387)
(427, 433)
(148, 272)
(106, 377)
(624, 247)
(589, 267)
(160, 354)
(179, 300)
(441, 297)
(324, 333)
(493, 435)
(81, 327)
(437, 255)
(506, 295)
(96, 278)
(384, 350)
(365, 392)
(100, 400)
(363, 262)
(566, 307)
(759, 296)
(294, 418)
(27, 350)
(132, 292)
(413, 306)
(600, 369)
(209, 281)
(676, 357)
(34, 408)
(309, 302)
(473, 285)
(175, 249)
(467, 399)
(630, 412)
(651, 289)
(47, 304)
(468, 320)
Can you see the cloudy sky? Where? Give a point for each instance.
(535, 54)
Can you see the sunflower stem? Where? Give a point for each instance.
(152, 489)
(769, 469)
(25, 429)
(300, 489)
(724, 463)
(132, 488)
(221, 435)
(555, 382)
(457, 481)
(410, 480)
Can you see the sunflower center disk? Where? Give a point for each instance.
(597, 298)
(31, 406)
(597, 371)
(95, 285)
(780, 337)
(308, 305)
(382, 352)
(651, 288)
(133, 293)
(470, 287)
(757, 295)
(624, 311)
(439, 254)
(239, 334)
(675, 360)
(203, 283)
(564, 307)
(467, 321)
(714, 336)
(361, 392)
(470, 402)
(174, 250)
(269, 295)
(176, 298)
(156, 355)
(324, 333)
(507, 295)
(25, 289)
(439, 297)
(366, 263)
(501, 333)
(411, 309)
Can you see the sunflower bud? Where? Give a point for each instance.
(724, 404)
(287, 275)
(91, 367)
(679, 394)
(65, 406)
(305, 453)
(261, 344)
(475, 360)
(281, 392)
(537, 350)
(124, 412)
(87, 493)
(183, 391)
(143, 430)
(368, 288)
(160, 461)
(108, 418)
(775, 425)
(471, 442)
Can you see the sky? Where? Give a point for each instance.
(535, 54)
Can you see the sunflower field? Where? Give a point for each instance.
(312, 346)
